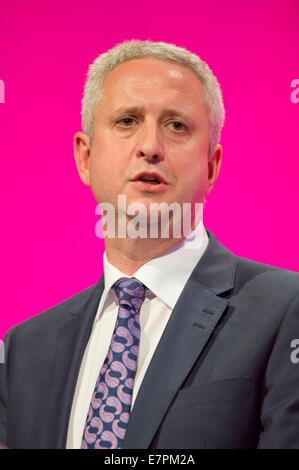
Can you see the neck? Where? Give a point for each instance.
(129, 254)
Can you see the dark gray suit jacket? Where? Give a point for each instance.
(221, 376)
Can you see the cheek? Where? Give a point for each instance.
(192, 167)
(109, 157)
(192, 176)
(101, 160)
(107, 173)
(101, 175)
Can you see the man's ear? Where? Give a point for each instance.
(214, 164)
(82, 156)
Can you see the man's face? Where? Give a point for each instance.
(151, 119)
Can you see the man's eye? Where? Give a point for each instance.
(126, 122)
(177, 126)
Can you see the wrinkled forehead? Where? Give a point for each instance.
(151, 74)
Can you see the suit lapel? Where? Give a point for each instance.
(191, 324)
(71, 341)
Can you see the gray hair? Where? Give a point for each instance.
(136, 49)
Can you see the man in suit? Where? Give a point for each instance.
(211, 365)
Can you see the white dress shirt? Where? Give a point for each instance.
(165, 278)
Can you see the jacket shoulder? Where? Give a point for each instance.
(57, 314)
(266, 276)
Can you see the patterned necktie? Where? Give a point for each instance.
(110, 406)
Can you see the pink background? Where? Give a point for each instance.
(49, 250)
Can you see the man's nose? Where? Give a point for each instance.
(150, 145)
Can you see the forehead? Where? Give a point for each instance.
(152, 79)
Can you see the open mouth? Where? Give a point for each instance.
(151, 182)
(149, 179)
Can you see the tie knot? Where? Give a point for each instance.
(129, 289)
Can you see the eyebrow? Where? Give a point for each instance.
(139, 110)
